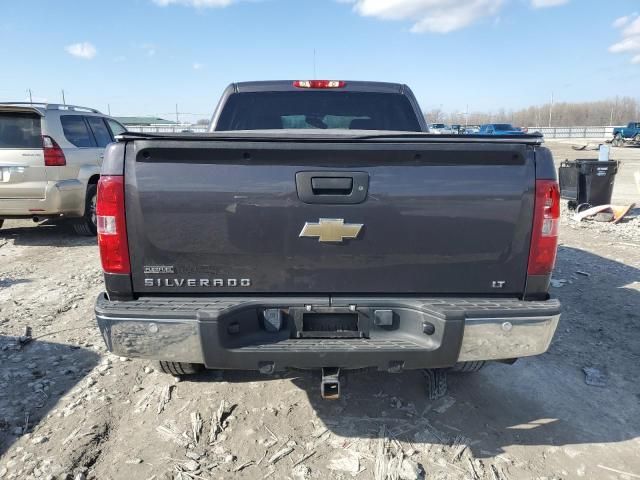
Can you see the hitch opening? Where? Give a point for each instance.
(330, 384)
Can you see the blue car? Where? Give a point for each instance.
(499, 129)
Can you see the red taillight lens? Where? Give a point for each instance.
(53, 154)
(112, 228)
(546, 219)
(319, 84)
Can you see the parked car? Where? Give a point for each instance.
(471, 129)
(440, 129)
(499, 129)
(50, 157)
(629, 134)
(260, 247)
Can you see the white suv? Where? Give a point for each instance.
(50, 158)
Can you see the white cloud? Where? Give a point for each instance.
(547, 3)
(629, 27)
(198, 66)
(622, 21)
(82, 50)
(630, 44)
(633, 28)
(439, 16)
(195, 3)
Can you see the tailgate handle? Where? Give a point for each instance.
(332, 185)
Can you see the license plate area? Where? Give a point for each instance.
(329, 323)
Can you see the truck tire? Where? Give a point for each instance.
(468, 367)
(179, 369)
(636, 139)
(1, 222)
(86, 226)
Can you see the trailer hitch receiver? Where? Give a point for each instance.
(330, 384)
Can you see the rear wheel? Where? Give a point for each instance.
(636, 139)
(1, 222)
(468, 367)
(87, 224)
(179, 369)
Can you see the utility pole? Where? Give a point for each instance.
(30, 97)
(63, 100)
(177, 115)
(550, 108)
(314, 64)
(466, 116)
(109, 109)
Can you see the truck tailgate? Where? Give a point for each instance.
(227, 217)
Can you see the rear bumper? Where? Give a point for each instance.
(229, 333)
(62, 198)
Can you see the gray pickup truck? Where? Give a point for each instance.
(320, 226)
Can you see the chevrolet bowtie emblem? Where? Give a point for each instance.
(331, 230)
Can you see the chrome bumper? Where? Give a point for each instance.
(503, 338)
(199, 333)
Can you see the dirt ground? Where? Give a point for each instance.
(68, 409)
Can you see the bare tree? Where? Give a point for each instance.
(615, 111)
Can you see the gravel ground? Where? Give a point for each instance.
(68, 409)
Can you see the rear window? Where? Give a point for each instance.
(318, 110)
(76, 131)
(100, 131)
(20, 131)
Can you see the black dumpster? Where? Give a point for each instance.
(587, 182)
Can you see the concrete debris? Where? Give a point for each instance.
(304, 458)
(459, 445)
(169, 433)
(196, 426)
(193, 455)
(241, 467)
(301, 472)
(596, 377)
(134, 461)
(279, 455)
(191, 466)
(218, 419)
(164, 398)
(445, 404)
(346, 461)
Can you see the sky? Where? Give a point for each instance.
(142, 57)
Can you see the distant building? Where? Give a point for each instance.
(145, 122)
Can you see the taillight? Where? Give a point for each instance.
(546, 219)
(53, 154)
(112, 228)
(319, 84)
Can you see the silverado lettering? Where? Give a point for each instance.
(197, 282)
